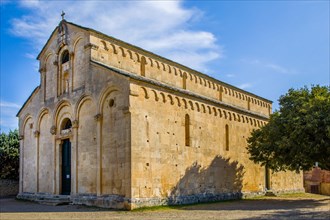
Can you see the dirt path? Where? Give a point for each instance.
(304, 206)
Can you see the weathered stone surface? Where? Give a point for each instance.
(143, 130)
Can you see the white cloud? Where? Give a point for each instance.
(230, 75)
(245, 86)
(8, 111)
(269, 65)
(163, 27)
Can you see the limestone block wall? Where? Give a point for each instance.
(123, 56)
(166, 164)
(212, 159)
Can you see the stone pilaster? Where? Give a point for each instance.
(74, 164)
(98, 119)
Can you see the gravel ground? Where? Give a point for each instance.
(302, 206)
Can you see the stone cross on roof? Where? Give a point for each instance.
(63, 13)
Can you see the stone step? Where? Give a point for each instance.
(54, 201)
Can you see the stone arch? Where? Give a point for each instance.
(41, 113)
(145, 92)
(151, 62)
(225, 114)
(196, 80)
(157, 63)
(130, 54)
(169, 69)
(28, 172)
(184, 103)
(163, 96)
(203, 108)
(175, 71)
(220, 113)
(209, 109)
(164, 68)
(178, 101)
(45, 153)
(180, 72)
(137, 57)
(68, 113)
(114, 49)
(81, 100)
(104, 44)
(123, 54)
(191, 105)
(234, 117)
(104, 95)
(238, 117)
(171, 99)
(26, 118)
(155, 95)
(197, 106)
(190, 76)
(229, 116)
(215, 111)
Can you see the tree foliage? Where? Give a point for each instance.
(298, 134)
(9, 155)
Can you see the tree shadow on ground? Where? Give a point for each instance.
(221, 180)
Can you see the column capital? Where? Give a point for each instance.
(36, 133)
(98, 117)
(53, 130)
(75, 124)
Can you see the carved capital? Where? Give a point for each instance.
(36, 133)
(21, 137)
(42, 70)
(75, 124)
(71, 54)
(98, 117)
(55, 63)
(53, 130)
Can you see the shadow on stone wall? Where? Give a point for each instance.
(221, 180)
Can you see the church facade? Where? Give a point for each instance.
(116, 126)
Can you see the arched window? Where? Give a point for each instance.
(184, 80)
(187, 130)
(65, 57)
(227, 137)
(66, 124)
(143, 66)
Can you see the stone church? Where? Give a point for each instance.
(114, 125)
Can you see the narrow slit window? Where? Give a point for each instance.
(187, 130)
(227, 137)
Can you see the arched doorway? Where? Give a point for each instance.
(66, 159)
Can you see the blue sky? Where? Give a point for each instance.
(264, 47)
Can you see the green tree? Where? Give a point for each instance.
(298, 134)
(9, 155)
